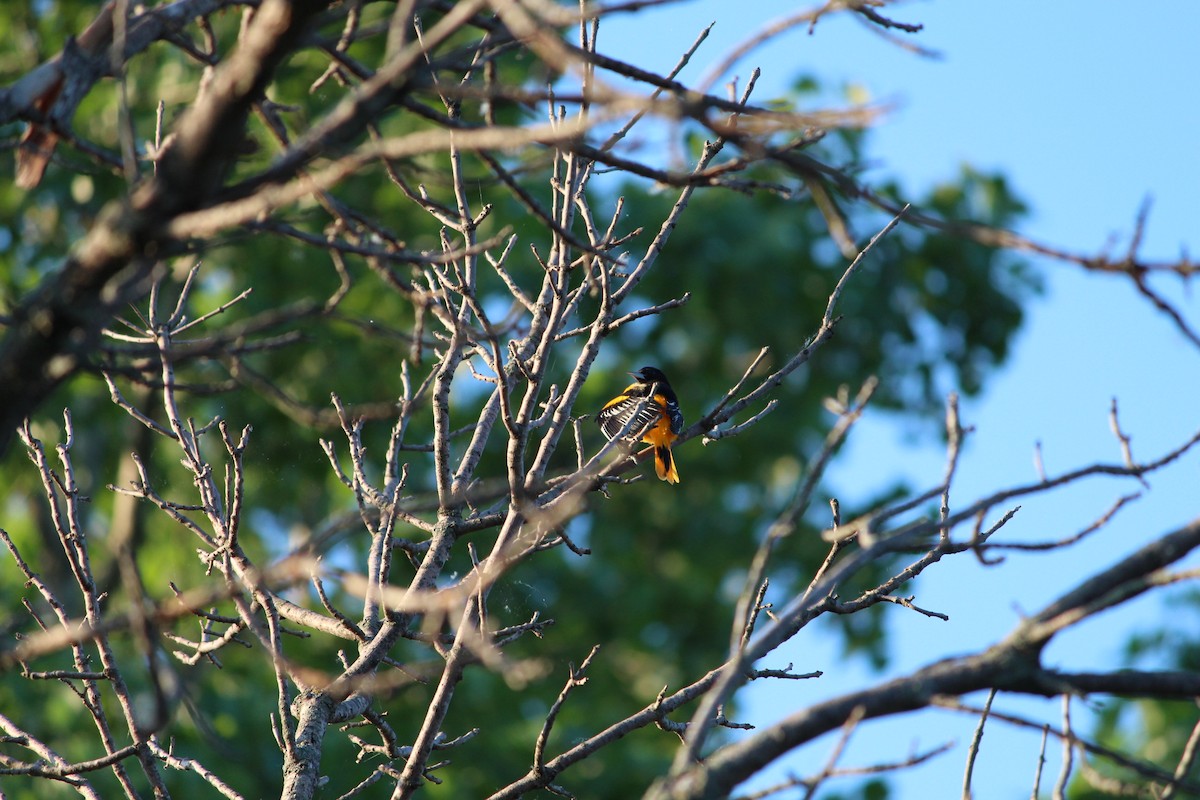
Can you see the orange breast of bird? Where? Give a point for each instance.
(660, 435)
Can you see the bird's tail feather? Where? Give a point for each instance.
(664, 465)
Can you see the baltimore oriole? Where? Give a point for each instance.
(648, 407)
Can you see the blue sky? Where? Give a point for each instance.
(1088, 109)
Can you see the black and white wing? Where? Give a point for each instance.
(675, 416)
(627, 413)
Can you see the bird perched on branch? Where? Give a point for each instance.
(649, 409)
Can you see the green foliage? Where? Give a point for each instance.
(874, 789)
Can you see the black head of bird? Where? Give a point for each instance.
(649, 375)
